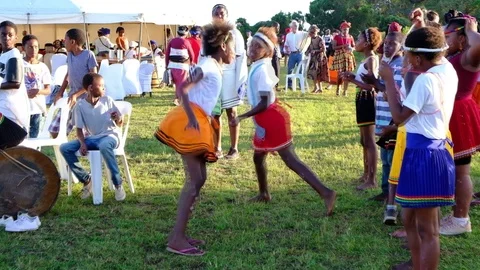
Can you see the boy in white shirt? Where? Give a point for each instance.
(37, 82)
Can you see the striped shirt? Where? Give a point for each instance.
(383, 116)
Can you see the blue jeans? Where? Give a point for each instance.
(293, 60)
(387, 157)
(34, 125)
(106, 145)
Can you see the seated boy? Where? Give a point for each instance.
(99, 116)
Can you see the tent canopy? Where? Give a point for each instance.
(88, 11)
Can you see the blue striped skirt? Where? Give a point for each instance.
(427, 177)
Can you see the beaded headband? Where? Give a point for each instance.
(367, 36)
(409, 49)
(265, 39)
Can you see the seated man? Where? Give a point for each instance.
(99, 116)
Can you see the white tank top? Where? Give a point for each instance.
(362, 69)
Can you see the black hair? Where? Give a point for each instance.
(9, 24)
(217, 6)
(431, 14)
(89, 78)
(18, 44)
(457, 22)
(214, 35)
(27, 38)
(399, 36)
(48, 44)
(452, 13)
(119, 29)
(275, 24)
(77, 35)
(428, 38)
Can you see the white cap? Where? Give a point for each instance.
(133, 44)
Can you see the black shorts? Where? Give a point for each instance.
(365, 107)
(463, 161)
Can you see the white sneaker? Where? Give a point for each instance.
(87, 191)
(35, 218)
(449, 226)
(120, 194)
(22, 224)
(6, 220)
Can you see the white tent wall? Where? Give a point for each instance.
(47, 33)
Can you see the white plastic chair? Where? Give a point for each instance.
(103, 67)
(57, 60)
(95, 159)
(145, 76)
(300, 73)
(44, 138)
(113, 82)
(47, 59)
(131, 80)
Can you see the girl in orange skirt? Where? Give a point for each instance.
(188, 129)
(272, 122)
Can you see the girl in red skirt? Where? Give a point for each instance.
(464, 54)
(272, 122)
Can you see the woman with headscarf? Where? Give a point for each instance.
(343, 59)
(317, 69)
(103, 43)
(233, 85)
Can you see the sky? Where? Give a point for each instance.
(252, 10)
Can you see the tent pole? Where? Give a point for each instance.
(29, 25)
(140, 39)
(86, 31)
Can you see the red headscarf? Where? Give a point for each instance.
(345, 25)
(287, 30)
(394, 27)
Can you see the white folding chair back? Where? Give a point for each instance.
(59, 75)
(47, 59)
(58, 60)
(103, 67)
(44, 138)
(113, 82)
(145, 76)
(131, 81)
(300, 73)
(95, 158)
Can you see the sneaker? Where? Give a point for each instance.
(390, 217)
(120, 193)
(87, 190)
(24, 223)
(219, 154)
(232, 154)
(5, 220)
(35, 218)
(450, 226)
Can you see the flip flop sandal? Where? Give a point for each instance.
(192, 252)
(475, 203)
(399, 234)
(196, 242)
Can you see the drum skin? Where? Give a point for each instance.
(24, 190)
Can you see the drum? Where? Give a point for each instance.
(29, 182)
(155, 80)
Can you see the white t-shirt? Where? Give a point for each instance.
(103, 44)
(207, 91)
(37, 76)
(297, 42)
(14, 103)
(429, 91)
(131, 54)
(261, 82)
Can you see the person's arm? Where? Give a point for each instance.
(351, 77)
(116, 116)
(262, 106)
(191, 54)
(472, 56)
(400, 114)
(185, 88)
(13, 74)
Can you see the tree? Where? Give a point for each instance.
(243, 26)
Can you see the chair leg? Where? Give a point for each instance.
(302, 85)
(96, 170)
(127, 173)
(294, 84)
(69, 182)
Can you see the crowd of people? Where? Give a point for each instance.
(414, 94)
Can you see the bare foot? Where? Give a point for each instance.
(400, 233)
(330, 203)
(404, 266)
(263, 197)
(366, 186)
(361, 179)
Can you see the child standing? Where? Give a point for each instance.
(79, 62)
(367, 43)
(14, 106)
(427, 177)
(99, 116)
(189, 129)
(272, 132)
(37, 82)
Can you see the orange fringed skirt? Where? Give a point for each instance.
(172, 132)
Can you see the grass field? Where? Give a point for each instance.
(288, 233)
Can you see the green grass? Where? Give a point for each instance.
(288, 233)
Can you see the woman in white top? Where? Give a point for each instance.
(189, 129)
(272, 122)
(103, 44)
(427, 176)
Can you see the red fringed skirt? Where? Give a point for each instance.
(465, 127)
(272, 129)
